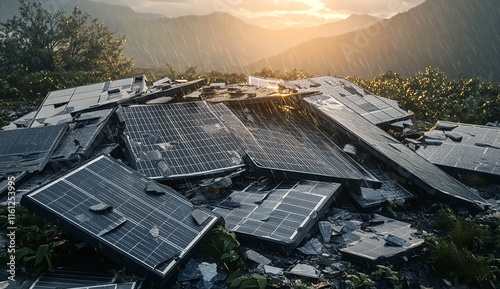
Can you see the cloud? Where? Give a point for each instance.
(384, 8)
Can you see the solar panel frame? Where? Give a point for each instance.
(29, 149)
(376, 109)
(151, 231)
(189, 141)
(291, 150)
(466, 155)
(283, 217)
(87, 130)
(406, 162)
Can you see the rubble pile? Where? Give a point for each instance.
(300, 181)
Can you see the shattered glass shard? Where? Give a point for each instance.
(100, 208)
(312, 247)
(155, 231)
(199, 216)
(326, 231)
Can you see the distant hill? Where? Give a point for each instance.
(219, 40)
(456, 36)
(216, 41)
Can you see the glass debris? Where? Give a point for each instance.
(304, 270)
(312, 247)
(257, 258)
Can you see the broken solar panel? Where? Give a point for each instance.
(464, 147)
(28, 149)
(279, 213)
(173, 89)
(72, 277)
(402, 159)
(242, 93)
(86, 131)
(58, 105)
(178, 140)
(390, 190)
(376, 109)
(124, 215)
(388, 239)
(291, 150)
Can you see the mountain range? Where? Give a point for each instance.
(216, 41)
(460, 37)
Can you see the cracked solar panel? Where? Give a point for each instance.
(291, 149)
(390, 190)
(58, 105)
(280, 213)
(376, 109)
(28, 149)
(474, 148)
(87, 130)
(389, 150)
(124, 215)
(179, 140)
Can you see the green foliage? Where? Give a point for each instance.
(222, 244)
(286, 75)
(359, 280)
(38, 243)
(384, 273)
(41, 51)
(432, 96)
(190, 73)
(238, 281)
(457, 254)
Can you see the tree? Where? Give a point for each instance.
(58, 43)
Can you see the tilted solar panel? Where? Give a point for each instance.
(291, 149)
(376, 109)
(124, 215)
(28, 149)
(178, 140)
(279, 213)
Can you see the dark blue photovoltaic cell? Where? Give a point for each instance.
(288, 148)
(477, 151)
(179, 140)
(376, 109)
(287, 211)
(108, 204)
(28, 149)
(401, 158)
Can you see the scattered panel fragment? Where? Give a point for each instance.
(464, 147)
(29, 149)
(376, 109)
(277, 213)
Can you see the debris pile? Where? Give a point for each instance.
(144, 176)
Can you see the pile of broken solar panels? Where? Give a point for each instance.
(292, 172)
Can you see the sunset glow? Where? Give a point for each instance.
(276, 14)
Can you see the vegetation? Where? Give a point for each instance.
(42, 51)
(432, 96)
(462, 252)
(39, 244)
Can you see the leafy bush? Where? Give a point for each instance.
(432, 96)
(459, 253)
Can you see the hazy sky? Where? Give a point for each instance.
(273, 13)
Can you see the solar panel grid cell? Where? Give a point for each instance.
(153, 230)
(191, 140)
